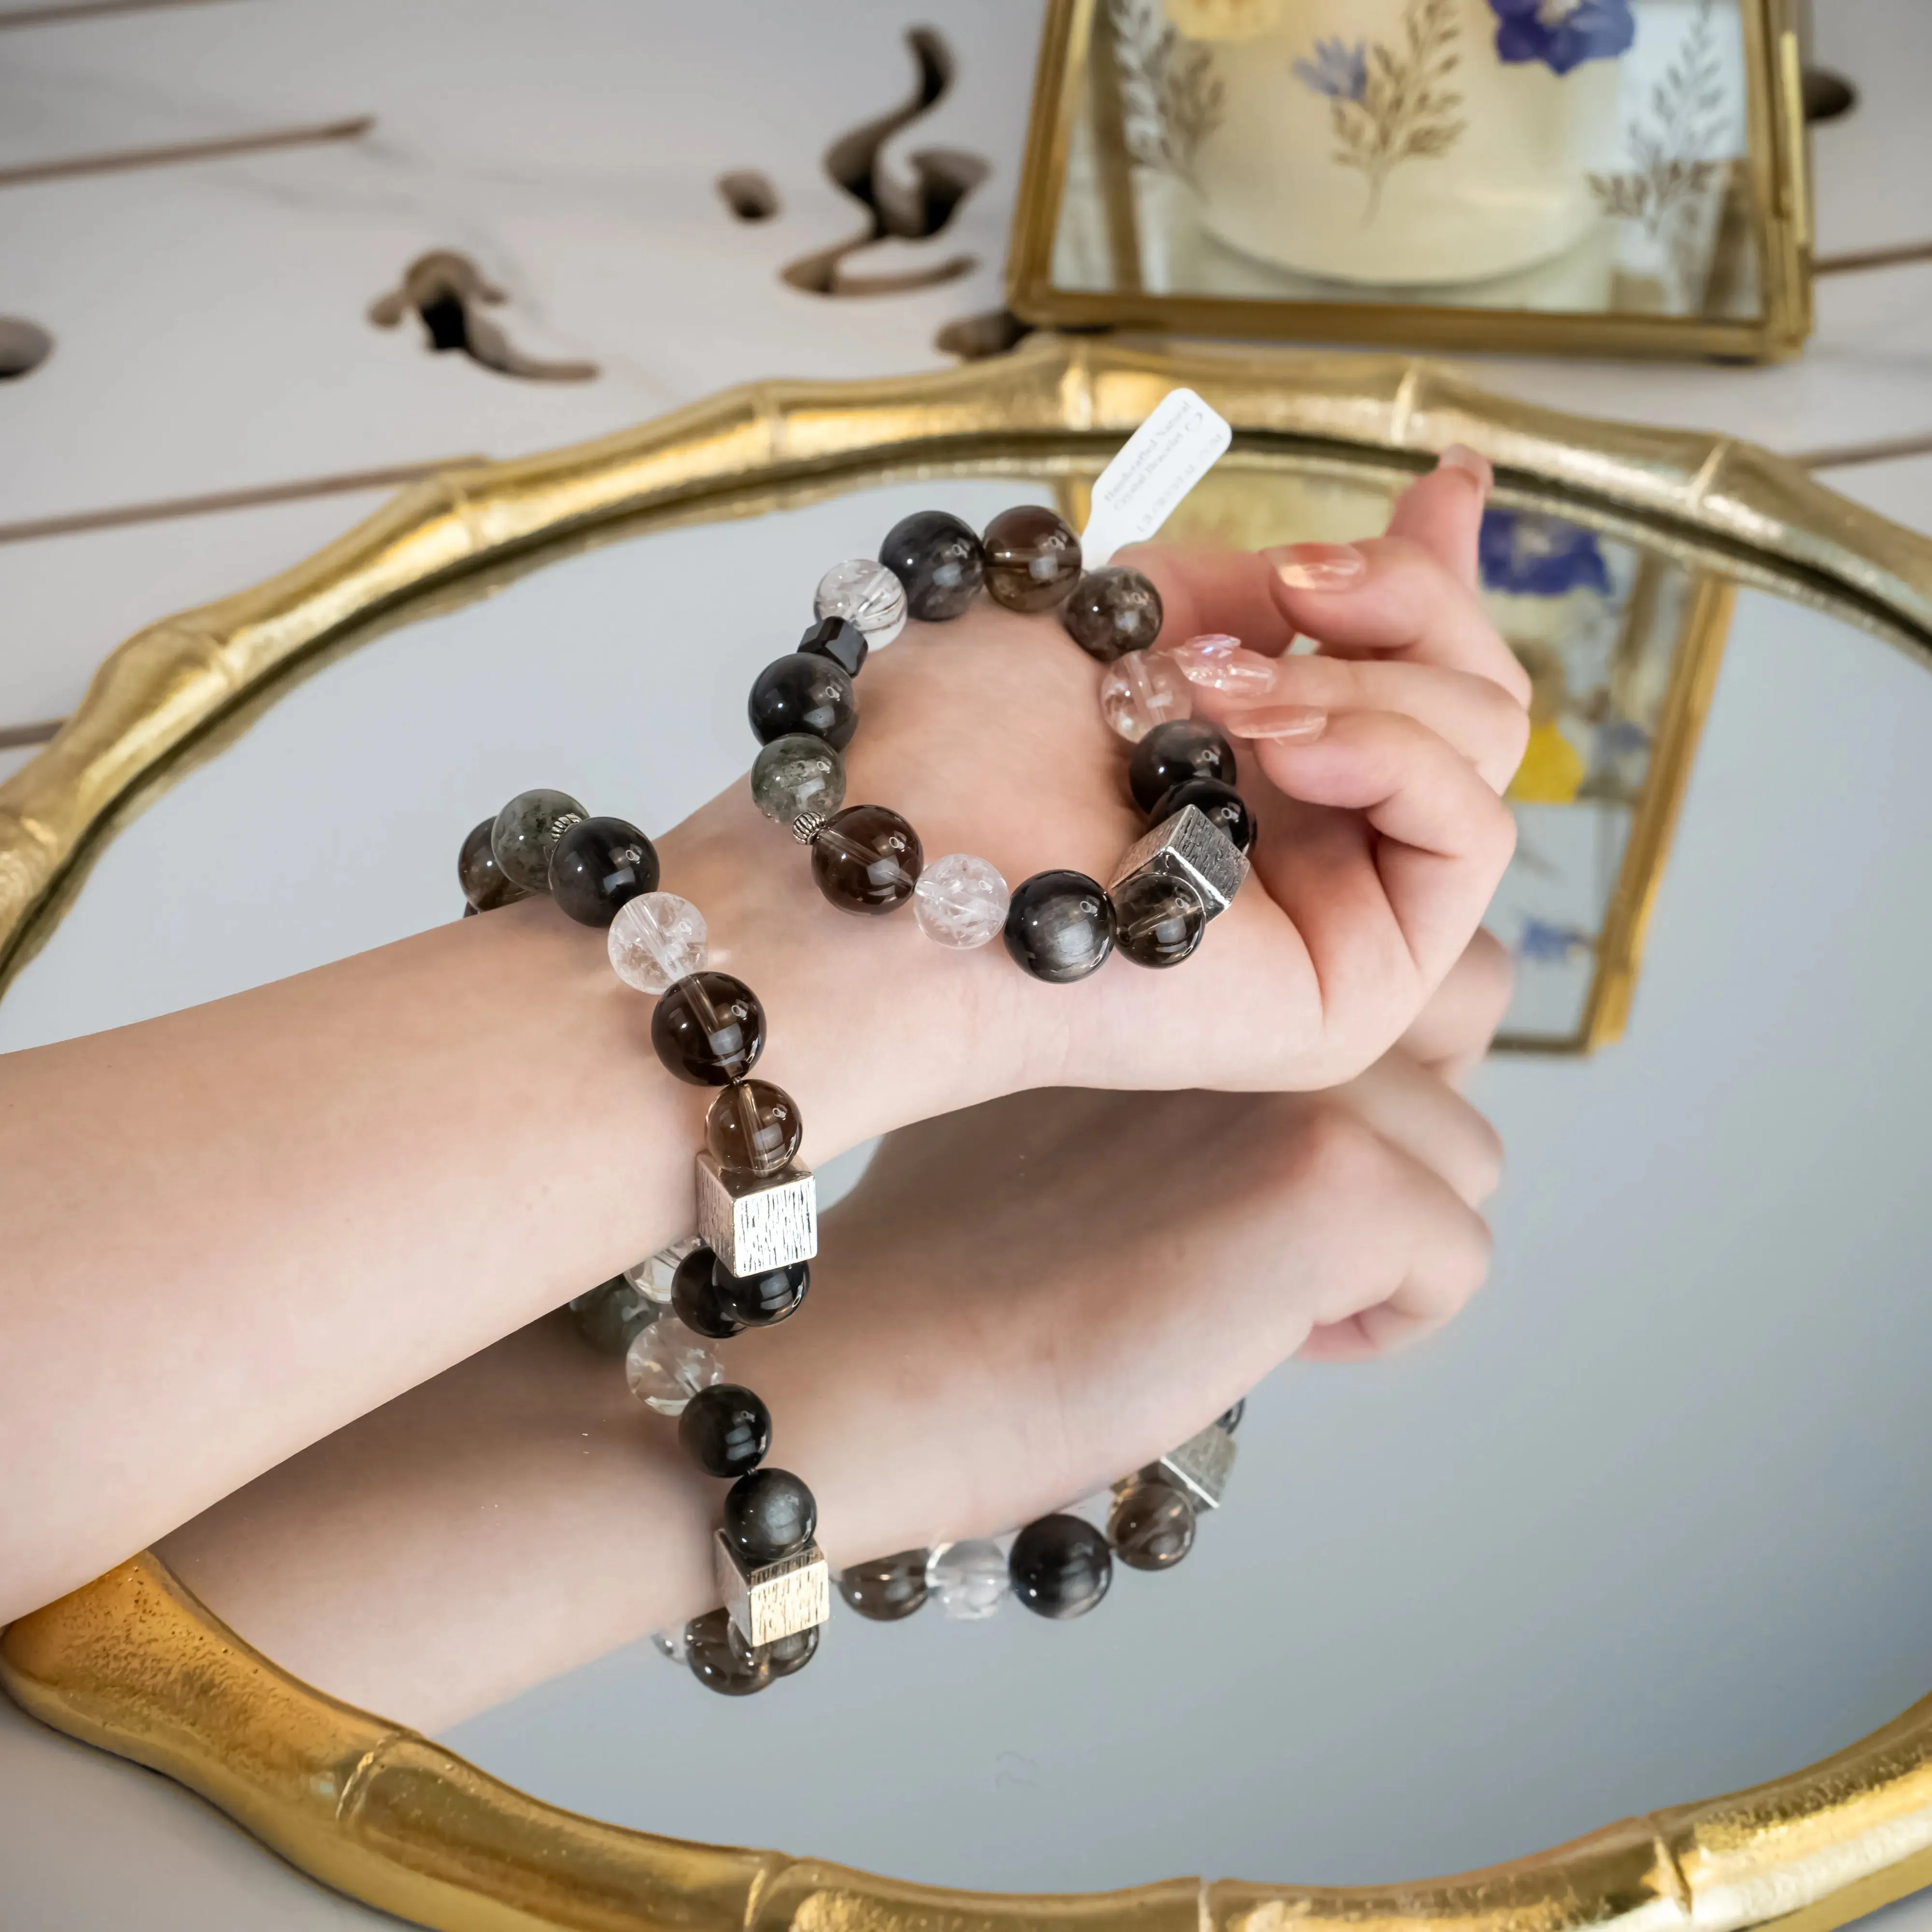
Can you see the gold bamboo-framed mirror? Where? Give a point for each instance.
(397, 1815)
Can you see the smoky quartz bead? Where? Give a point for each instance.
(1170, 754)
(1032, 558)
(839, 639)
(1158, 921)
(709, 1029)
(1223, 806)
(485, 884)
(1059, 927)
(610, 1317)
(1152, 1526)
(768, 1514)
(803, 692)
(867, 859)
(526, 830)
(797, 773)
(725, 1430)
(1060, 1566)
(694, 1299)
(758, 1300)
(1112, 612)
(886, 1588)
(719, 1664)
(785, 1656)
(598, 865)
(754, 1128)
(939, 560)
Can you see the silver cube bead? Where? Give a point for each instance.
(770, 1600)
(1200, 1468)
(751, 1223)
(1188, 846)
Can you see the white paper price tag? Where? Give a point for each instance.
(1177, 445)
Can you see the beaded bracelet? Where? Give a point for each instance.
(1058, 925)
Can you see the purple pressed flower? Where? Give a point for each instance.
(1533, 556)
(1551, 944)
(1338, 69)
(1563, 34)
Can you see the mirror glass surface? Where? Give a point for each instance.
(1498, 154)
(1636, 1529)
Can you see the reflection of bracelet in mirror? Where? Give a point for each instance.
(757, 1212)
(1058, 925)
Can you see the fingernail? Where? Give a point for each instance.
(1317, 566)
(1279, 722)
(1220, 662)
(1471, 462)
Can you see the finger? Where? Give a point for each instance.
(1445, 838)
(1452, 1032)
(1250, 696)
(1443, 511)
(1229, 592)
(1414, 1110)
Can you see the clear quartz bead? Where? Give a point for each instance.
(1142, 690)
(969, 1580)
(653, 1278)
(867, 593)
(668, 1365)
(960, 901)
(655, 939)
(671, 1644)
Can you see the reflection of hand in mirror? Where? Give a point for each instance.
(234, 1228)
(964, 1370)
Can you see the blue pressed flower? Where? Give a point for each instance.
(1551, 944)
(1563, 34)
(1338, 69)
(1533, 556)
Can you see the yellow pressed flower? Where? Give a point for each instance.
(1224, 19)
(1552, 769)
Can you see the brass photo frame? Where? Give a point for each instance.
(133, 1663)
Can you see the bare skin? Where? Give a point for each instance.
(233, 1230)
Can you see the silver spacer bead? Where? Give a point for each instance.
(807, 826)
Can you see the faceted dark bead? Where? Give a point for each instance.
(599, 864)
(523, 833)
(719, 1664)
(757, 1301)
(1032, 558)
(1158, 921)
(610, 1315)
(708, 1028)
(1231, 1420)
(867, 859)
(938, 559)
(754, 1128)
(1112, 612)
(485, 884)
(725, 1430)
(1224, 806)
(695, 1300)
(1060, 1566)
(1152, 1527)
(1172, 753)
(1059, 927)
(886, 1588)
(768, 1514)
(839, 639)
(803, 692)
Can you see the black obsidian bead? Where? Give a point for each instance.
(1059, 926)
(1224, 806)
(757, 1301)
(1231, 1419)
(709, 1029)
(1152, 1526)
(599, 864)
(718, 1663)
(803, 692)
(485, 884)
(1060, 1566)
(886, 1588)
(1171, 754)
(768, 1514)
(1157, 921)
(1032, 558)
(1112, 612)
(939, 560)
(867, 859)
(839, 639)
(694, 1299)
(725, 1430)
